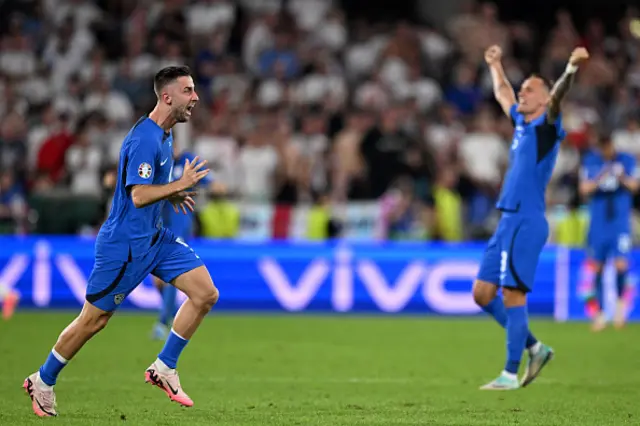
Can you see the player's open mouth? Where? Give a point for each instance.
(190, 108)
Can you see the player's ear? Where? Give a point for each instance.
(165, 97)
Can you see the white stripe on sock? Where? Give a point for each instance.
(162, 367)
(40, 384)
(174, 332)
(59, 357)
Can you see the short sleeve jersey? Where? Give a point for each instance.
(145, 159)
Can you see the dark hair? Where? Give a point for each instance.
(547, 83)
(168, 75)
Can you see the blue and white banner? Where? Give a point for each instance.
(418, 278)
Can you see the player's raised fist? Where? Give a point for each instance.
(578, 55)
(493, 54)
(193, 172)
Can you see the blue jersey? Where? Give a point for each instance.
(179, 223)
(534, 150)
(611, 204)
(146, 157)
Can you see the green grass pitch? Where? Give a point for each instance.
(304, 370)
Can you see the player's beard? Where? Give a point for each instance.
(180, 114)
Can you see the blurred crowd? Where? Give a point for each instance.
(300, 105)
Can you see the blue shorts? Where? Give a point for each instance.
(511, 257)
(616, 245)
(112, 280)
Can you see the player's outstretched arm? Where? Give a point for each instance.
(564, 83)
(144, 195)
(502, 89)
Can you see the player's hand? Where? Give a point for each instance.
(183, 200)
(193, 172)
(493, 55)
(579, 54)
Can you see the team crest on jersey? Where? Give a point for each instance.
(177, 172)
(118, 298)
(144, 171)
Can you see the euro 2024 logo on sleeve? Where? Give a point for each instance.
(387, 297)
(144, 170)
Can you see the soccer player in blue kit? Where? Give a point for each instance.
(511, 257)
(182, 225)
(132, 243)
(609, 179)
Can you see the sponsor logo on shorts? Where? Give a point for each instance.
(118, 298)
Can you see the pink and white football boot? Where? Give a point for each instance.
(43, 398)
(167, 379)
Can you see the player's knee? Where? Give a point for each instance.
(92, 319)
(94, 323)
(212, 297)
(207, 299)
(514, 297)
(100, 323)
(483, 292)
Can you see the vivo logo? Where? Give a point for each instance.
(388, 297)
(343, 274)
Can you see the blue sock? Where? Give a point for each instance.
(517, 329)
(621, 280)
(172, 349)
(52, 367)
(496, 309)
(168, 308)
(599, 291)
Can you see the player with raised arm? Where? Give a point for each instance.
(609, 179)
(511, 257)
(132, 243)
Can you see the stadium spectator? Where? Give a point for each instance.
(305, 97)
(257, 164)
(627, 138)
(83, 160)
(51, 157)
(13, 203)
(13, 155)
(384, 151)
